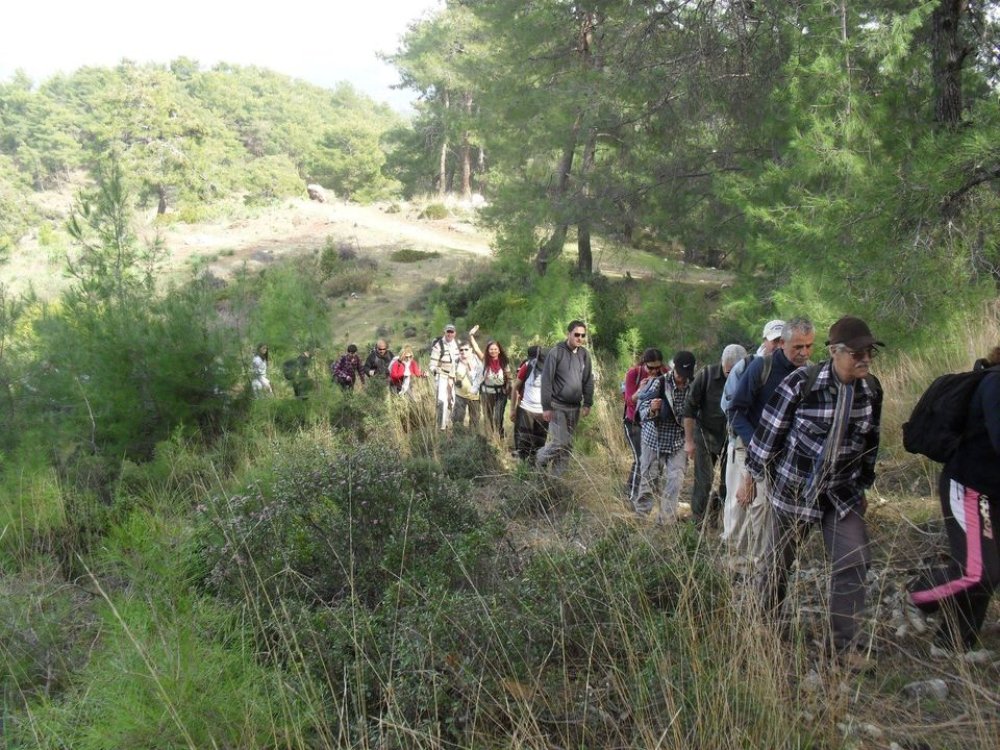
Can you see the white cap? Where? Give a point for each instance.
(773, 329)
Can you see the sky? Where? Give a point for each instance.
(322, 42)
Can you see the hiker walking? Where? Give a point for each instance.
(567, 394)
(297, 372)
(468, 381)
(705, 439)
(402, 370)
(756, 386)
(530, 426)
(650, 366)
(817, 442)
(347, 371)
(378, 361)
(444, 355)
(969, 490)
(497, 381)
(259, 382)
(734, 516)
(661, 408)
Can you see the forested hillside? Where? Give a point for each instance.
(189, 562)
(187, 137)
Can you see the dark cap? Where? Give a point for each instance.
(853, 333)
(684, 364)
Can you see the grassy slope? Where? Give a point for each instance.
(135, 604)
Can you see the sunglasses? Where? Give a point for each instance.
(579, 335)
(859, 354)
(380, 348)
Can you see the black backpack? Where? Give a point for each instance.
(937, 423)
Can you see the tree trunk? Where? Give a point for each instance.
(466, 168)
(161, 206)
(443, 165)
(467, 152)
(585, 256)
(481, 176)
(553, 246)
(947, 59)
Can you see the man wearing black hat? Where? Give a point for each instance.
(661, 411)
(816, 442)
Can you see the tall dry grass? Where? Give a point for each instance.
(686, 663)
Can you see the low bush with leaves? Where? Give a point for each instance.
(346, 526)
(409, 255)
(434, 211)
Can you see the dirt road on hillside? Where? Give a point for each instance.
(299, 225)
(254, 240)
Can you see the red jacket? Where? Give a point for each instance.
(397, 371)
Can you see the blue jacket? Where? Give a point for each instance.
(750, 398)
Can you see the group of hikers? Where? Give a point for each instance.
(347, 371)
(795, 444)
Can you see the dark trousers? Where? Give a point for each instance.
(494, 407)
(703, 506)
(463, 405)
(962, 590)
(530, 434)
(633, 439)
(846, 543)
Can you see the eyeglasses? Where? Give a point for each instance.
(653, 367)
(381, 348)
(859, 354)
(579, 335)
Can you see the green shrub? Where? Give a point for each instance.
(124, 374)
(409, 255)
(342, 527)
(32, 504)
(467, 454)
(46, 629)
(351, 280)
(181, 467)
(46, 235)
(434, 211)
(286, 308)
(189, 684)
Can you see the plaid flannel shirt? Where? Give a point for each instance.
(663, 433)
(788, 444)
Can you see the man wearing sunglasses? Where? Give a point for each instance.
(567, 394)
(817, 442)
(379, 359)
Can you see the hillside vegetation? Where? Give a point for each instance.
(187, 138)
(185, 566)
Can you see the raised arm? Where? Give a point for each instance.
(472, 340)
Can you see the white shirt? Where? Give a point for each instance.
(531, 401)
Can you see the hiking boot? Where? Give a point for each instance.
(914, 616)
(644, 505)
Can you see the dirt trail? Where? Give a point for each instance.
(223, 246)
(304, 225)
